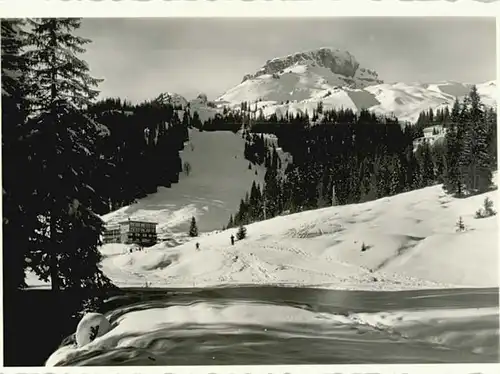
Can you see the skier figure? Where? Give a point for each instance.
(232, 239)
(197, 245)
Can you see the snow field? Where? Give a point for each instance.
(410, 239)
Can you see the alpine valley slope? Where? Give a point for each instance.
(212, 191)
(298, 82)
(410, 240)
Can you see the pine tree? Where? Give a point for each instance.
(231, 222)
(323, 191)
(254, 202)
(242, 233)
(427, 165)
(63, 138)
(488, 207)
(186, 120)
(383, 176)
(487, 210)
(395, 184)
(491, 125)
(319, 108)
(454, 144)
(193, 229)
(438, 152)
(196, 122)
(476, 160)
(19, 203)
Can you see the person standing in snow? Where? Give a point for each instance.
(197, 246)
(232, 239)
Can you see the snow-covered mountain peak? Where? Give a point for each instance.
(338, 62)
(173, 99)
(298, 82)
(314, 74)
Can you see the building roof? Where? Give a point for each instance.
(137, 221)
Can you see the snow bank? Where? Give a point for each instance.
(160, 327)
(138, 328)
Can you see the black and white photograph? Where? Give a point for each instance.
(249, 191)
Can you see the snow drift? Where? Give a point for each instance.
(161, 332)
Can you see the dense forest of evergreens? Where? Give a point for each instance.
(140, 153)
(349, 158)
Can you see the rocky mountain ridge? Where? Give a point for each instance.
(337, 61)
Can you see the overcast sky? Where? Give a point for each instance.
(140, 58)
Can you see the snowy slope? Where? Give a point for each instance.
(488, 92)
(298, 82)
(219, 178)
(405, 101)
(411, 240)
